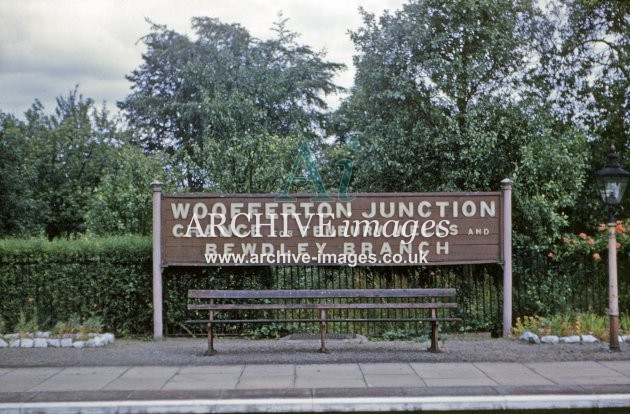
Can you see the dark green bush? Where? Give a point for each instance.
(48, 282)
(106, 277)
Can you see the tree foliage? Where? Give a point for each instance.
(588, 67)
(18, 209)
(448, 96)
(200, 98)
(595, 48)
(121, 204)
(71, 153)
(56, 167)
(443, 101)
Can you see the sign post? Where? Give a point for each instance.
(506, 188)
(157, 260)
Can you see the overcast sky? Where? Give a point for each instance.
(48, 47)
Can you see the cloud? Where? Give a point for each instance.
(47, 47)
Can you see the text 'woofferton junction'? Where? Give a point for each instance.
(384, 229)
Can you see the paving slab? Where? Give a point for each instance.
(329, 376)
(328, 370)
(24, 379)
(512, 373)
(142, 378)
(258, 377)
(572, 372)
(386, 369)
(205, 378)
(269, 370)
(213, 370)
(80, 379)
(267, 377)
(451, 374)
(261, 383)
(5, 371)
(394, 380)
(390, 375)
(622, 367)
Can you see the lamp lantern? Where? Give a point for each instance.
(612, 181)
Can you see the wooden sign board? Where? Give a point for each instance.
(390, 229)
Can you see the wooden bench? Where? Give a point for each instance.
(322, 302)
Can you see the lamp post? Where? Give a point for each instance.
(612, 181)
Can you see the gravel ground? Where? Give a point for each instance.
(187, 351)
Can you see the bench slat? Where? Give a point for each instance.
(272, 306)
(324, 295)
(327, 320)
(316, 294)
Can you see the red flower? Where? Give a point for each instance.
(550, 254)
(591, 242)
(583, 236)
(597, 257)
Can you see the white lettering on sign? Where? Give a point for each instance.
(435, 226)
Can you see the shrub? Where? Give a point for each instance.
(93, 324)
(106, 276)
(561, 325)
(533, 324)
(624, 322)
(61, 328)
(584, 323)
(592, 324)
(25, 325)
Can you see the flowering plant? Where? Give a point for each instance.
(593, 245)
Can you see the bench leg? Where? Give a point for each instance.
(211, 350)
(434, 333)
(322, 315)
(434, 338)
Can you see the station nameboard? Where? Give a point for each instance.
(402, 229)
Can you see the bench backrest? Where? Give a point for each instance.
(320, 294)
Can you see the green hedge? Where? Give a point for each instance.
(111, 278)
(108, 277)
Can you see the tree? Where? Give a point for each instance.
(191, 97)
(419, 72)
(121, 203)
(596, 48)
(453, 52)
(589, 70)
(72, 151)
(52, 166)
(18, 206)
(443, 101)
(72, 172)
